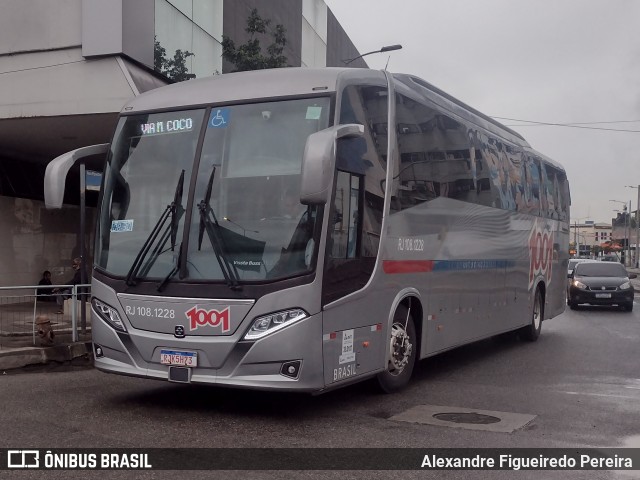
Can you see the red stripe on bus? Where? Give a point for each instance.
(407, 266)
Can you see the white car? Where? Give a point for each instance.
(573, 262)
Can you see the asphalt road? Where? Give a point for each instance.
(581, 380)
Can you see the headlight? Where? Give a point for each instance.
(579, 284)
(109, 314)
(263, 326)
(625, 286)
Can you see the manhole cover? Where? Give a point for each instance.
(461, 417)
(468, 418)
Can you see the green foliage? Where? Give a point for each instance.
(175, 68)
(159, 56)
(249, 56)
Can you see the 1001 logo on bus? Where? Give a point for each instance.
(199, 317)
(540, 254)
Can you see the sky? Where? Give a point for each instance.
(550, 61)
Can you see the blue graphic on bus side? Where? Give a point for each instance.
(219, 117)
(458, 265)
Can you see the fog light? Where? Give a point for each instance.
(291, 369)
(98, 350)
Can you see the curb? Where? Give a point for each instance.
(32, 356)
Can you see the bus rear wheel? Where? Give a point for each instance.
(402, 352)
(531, 332)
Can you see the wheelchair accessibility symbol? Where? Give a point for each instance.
(219, 117)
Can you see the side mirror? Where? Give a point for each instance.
(319, 160)
(55, 175)
(632, 276)
(570, 274)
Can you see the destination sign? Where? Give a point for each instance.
(167, 126)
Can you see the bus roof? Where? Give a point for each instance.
(292, 81)
(257, 84)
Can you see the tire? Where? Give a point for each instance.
(531, 332)
(402, 351)
(573, 306)
(628, 307)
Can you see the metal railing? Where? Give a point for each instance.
(28, 316)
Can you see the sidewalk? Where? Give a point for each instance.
(17, 346)
(19, 357)
(635, 281)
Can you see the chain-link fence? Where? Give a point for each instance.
(44, 315)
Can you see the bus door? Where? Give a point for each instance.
(353, 317)
(352, 342)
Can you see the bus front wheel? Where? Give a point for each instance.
(402, 352)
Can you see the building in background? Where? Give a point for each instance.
(625, 233)
(68, 66)
(587, 238)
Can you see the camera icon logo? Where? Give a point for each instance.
(23, 459)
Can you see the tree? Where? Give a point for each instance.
(175, 68)
(249, 56)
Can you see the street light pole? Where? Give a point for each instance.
(387, 48)
(636, 258)
(628, 263)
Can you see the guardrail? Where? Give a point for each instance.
(28, 316)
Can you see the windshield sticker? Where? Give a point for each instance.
(122, 226)
(313, 113)
(219, 117)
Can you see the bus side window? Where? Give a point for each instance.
(357, 208)
(344, 269)
(346, 217)
(548, 200)
(533, 179)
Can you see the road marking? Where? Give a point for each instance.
(601, 395)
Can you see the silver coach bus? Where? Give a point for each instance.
(304, 229)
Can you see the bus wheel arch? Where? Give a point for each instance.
(403, 348)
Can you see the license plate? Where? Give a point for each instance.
(603, 295)
(175, 357)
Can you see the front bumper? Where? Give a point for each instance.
(257, 364)
(594, 297)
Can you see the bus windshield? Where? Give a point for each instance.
(246, 222)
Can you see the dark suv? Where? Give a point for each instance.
(601, 283)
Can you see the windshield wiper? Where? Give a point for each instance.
(173, 271)
(174, 211)
(212, 228)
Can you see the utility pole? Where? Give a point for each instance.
(628, 262)
(636, 257)
(637, 260)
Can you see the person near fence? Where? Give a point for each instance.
(45, 294)
(64, 293)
